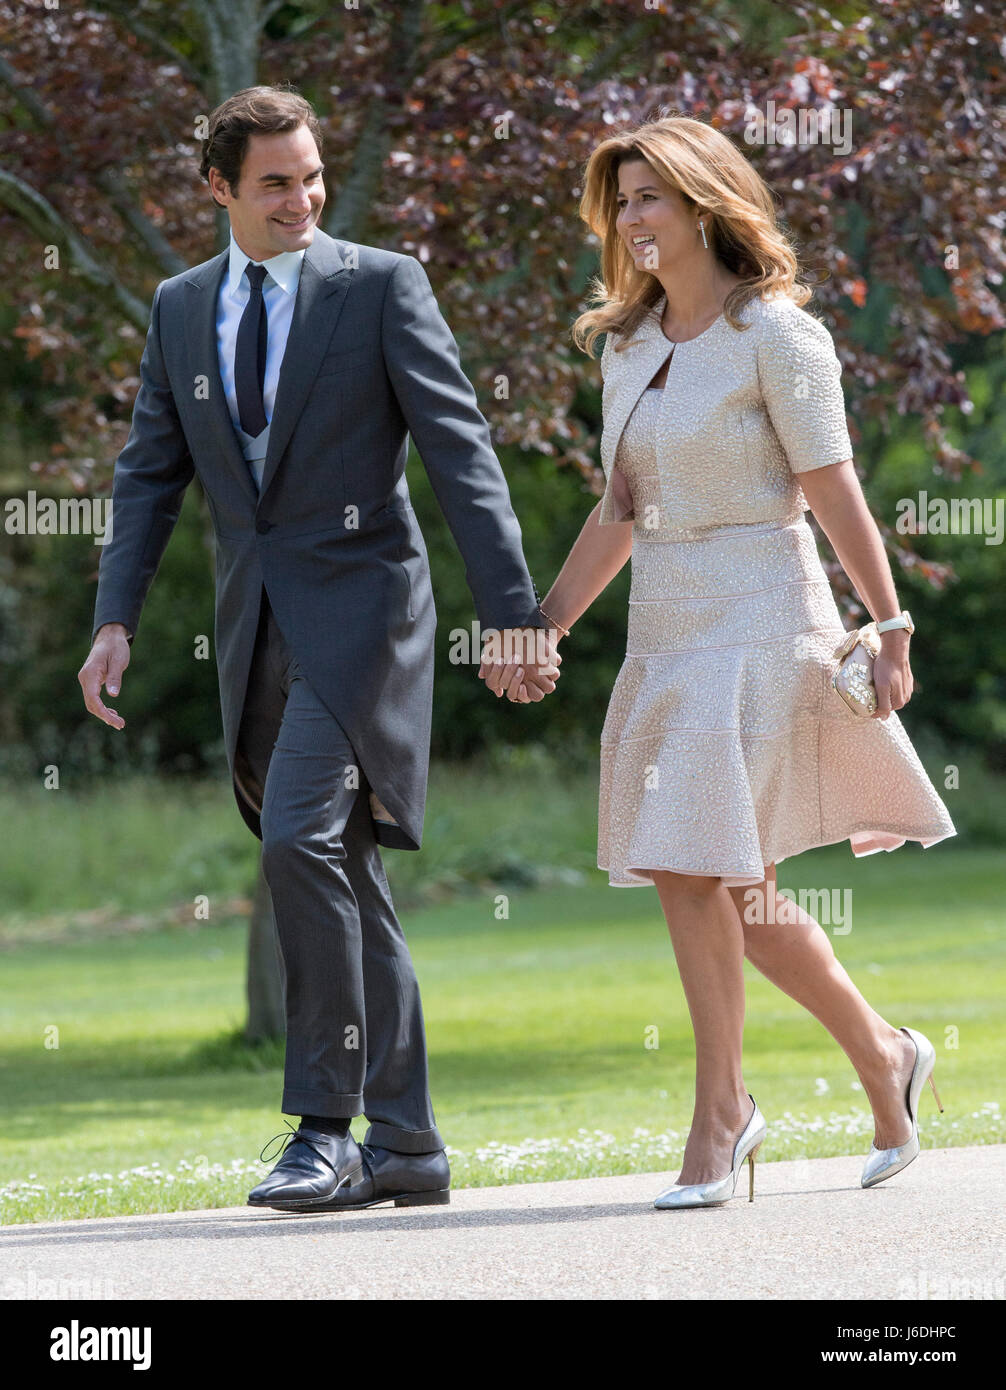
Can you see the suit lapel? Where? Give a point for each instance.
(202, 287)
(324, 279)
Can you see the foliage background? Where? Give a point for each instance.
(535, 1023)
(903, 233)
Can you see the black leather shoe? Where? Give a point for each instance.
(316, 1169)
(408, 1180)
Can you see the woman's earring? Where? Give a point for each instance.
(702, 229)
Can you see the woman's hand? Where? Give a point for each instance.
(836, 499)
(892, 675)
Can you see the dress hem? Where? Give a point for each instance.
(741, 880)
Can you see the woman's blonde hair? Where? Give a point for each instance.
(706, 169)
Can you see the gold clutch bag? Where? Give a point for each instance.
(853, 677)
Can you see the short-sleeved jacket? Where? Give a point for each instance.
(742, 413)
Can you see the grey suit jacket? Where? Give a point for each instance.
(332, 535)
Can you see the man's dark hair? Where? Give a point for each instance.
(253, 111)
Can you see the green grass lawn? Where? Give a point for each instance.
(537, 1023)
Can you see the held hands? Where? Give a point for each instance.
(522, 662)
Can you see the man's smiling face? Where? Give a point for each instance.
(280, 194)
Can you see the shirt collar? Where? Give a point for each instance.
(284, 268)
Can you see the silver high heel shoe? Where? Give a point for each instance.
(720, 1190)
(884, 1163)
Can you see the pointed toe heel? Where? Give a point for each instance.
(884, 1163)
(720, 1190)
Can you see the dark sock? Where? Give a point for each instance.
(326, 1124)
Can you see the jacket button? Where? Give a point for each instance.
(263, 526)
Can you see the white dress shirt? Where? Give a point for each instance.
(279, 291)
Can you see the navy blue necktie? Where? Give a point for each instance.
(250, 354)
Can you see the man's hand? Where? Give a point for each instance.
(105, 664)
(525, 681)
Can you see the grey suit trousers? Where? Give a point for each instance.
(356, 1041)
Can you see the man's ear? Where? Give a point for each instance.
(226, 186)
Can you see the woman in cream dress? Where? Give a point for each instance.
(724, 749)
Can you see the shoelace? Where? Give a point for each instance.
(290, 1138)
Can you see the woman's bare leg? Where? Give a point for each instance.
(708, 942)
(793, 951)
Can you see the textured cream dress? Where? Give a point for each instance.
(724, 748)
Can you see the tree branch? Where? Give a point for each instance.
(157, 42)
(47, 222)
(109, 180)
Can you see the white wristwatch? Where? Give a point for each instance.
(904, 620)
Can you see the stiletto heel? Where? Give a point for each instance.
(884, 1163)
(935, 1092)
(751, 1159)
(720, 1190)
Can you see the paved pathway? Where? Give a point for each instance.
(934, 1231)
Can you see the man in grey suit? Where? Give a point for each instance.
(289, 372)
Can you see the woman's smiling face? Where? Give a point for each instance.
(654, 221)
